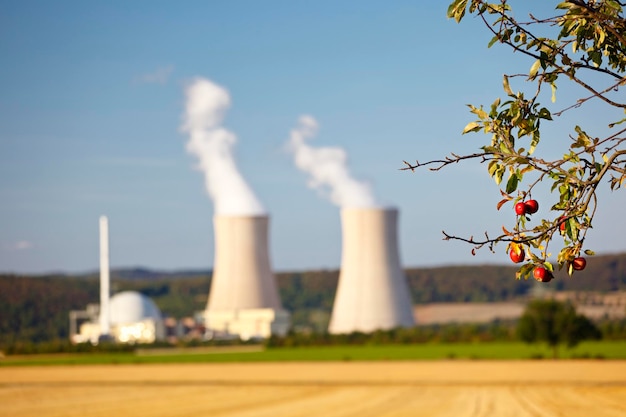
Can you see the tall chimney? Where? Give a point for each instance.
(372, 293)
(104, 277)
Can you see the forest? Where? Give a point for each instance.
(35, 308)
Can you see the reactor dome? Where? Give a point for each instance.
(132, 307)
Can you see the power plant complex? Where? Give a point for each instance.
(372, 292)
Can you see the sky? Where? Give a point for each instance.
(96, 118)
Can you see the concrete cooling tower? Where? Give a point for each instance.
(244, 296)
(372, 293)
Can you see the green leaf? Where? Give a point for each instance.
(533, 70)
(524, 271)
(493, 40)
(456, 10)
(614, 5)
(545, 114)
(533, 144)
(617, 123)
(596, 57)
(471, 127)
(571, 229)
(511, 184)
(507, 87)
(492, 168)
(601, 35)
(498, 175)
(478, 111)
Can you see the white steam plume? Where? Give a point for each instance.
(212, 144)
(327, 168)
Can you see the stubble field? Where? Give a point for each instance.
(383, 388)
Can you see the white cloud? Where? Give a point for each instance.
(23, 244)
(158, 76)
(19, 245)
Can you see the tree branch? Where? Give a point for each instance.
(445, 162)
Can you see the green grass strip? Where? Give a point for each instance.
(427, 351)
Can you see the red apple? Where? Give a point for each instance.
(579, 263)
(562, 225)
(542, 274)
(517, 256)
(520, 209)
(531, 206)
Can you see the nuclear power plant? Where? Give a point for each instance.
(244, 297)
(372, 293)
(244, 301)
(127, 317)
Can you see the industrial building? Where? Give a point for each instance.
(134, 319)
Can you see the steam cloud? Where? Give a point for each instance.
(206, 105)
(327, 168)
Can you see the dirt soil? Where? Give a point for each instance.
(418, 388)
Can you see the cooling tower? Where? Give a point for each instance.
(372, 293)
(244, 296)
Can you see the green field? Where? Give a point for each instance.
(591, 350)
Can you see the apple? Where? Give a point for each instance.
(541, 274)
(531, 206)
(562, 225)
(517, 256)
(579, 263)
(520, 209)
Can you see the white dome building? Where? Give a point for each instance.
(135, 318)
(131, 307)
(132, 318)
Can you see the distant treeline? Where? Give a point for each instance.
(496, 331)
(35, 308)
(444, 333)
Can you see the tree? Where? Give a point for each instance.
(583, 44)
(555, 323)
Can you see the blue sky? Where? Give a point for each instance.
(92, 99)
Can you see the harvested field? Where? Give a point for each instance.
(417, 388)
